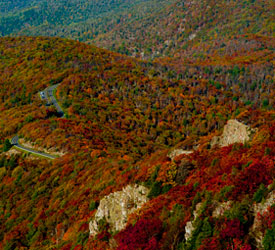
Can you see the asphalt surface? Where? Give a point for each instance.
(14, 142)
(48, 95)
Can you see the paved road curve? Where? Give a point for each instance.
(14, 142)
(53, 100)
(48, 95)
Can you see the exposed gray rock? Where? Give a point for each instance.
(260, 209)
(176, 152)
(221, 208)
(189, 228)
(234, 132)
(116, 207)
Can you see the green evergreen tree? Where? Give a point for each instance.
(260, 193)
(269, 239)
(7, 145)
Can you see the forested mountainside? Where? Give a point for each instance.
(122, 118)
(81, 20)
(145, 29)
(169, 146)
(122, 94)
(185, 24)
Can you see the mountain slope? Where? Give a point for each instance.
(122, 117)
(182, 25)
(81, 20)
(195, 127)
(144, 29)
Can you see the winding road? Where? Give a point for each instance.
(48, 95)
(14, 142)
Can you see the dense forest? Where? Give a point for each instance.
(144, 29)
(122, 116)
(184, 25)
(152, 111)
(81, 20)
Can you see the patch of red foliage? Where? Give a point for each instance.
(145, 234)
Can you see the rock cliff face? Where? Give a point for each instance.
(234, 132)
(219, 209)
(116, 207)
(176, 152)
(257, 209)
(189, 228)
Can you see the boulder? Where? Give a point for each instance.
(116, 207)
(234, 132)
(176, 152)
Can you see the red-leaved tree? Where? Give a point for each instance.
(143, 235)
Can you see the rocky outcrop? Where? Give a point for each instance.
(259, 209)
(189, 228)
(219, 209)
(234, 132)
(176, 152)
(116, 207)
